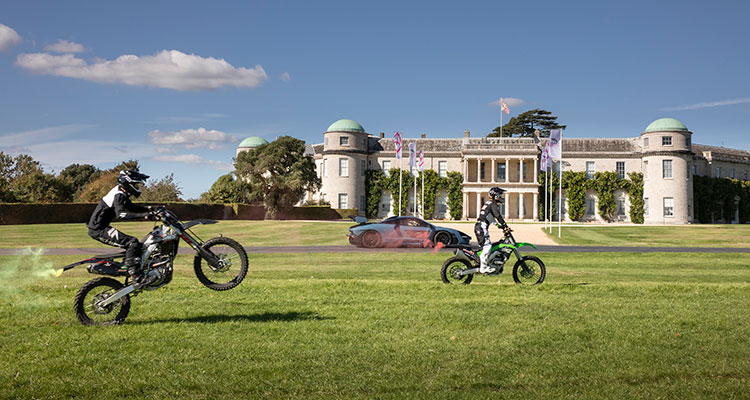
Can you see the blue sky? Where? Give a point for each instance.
(176, 85)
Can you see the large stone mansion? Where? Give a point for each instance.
(664, 153)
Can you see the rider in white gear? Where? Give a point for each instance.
(489, 214)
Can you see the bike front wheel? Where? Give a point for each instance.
(232, 266)
(451, 268)
(87, 304)
(529, 270)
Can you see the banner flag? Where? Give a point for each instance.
(555, 148)
(421, 160)
(412, 154)
(397, 143)
(544, 165)
(504, 107)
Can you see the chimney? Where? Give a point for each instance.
(424, 135)
(466, 133)
(382, 135)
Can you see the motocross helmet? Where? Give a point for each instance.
(496, 193)
(131, 181)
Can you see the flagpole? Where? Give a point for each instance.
(415, 194)
(559, 202)
(423, 193)
(501, 118)
(400, 173)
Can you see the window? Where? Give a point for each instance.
(443, 169)
(343, 167)
(645, 170)
(620, 207)
(666, 140)
(590, 206)
(524, 169)
(362, 167)
(387, 167)
(687, 141)
(666, 169)
(481, 171)
(501, 172)
(325, 167)
(344, 140)
(343, 200)
(621, 169)
(668, 207)
(590, 170)
(442, 206)
(386, 203)
(326, 141)
(645, 143)
(718, 172)
(645, 206)
(320, 169)
(362, 203)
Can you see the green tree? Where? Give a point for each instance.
(104, 182)
(227, 189)
(162, 190)
(524, 124)
(279, 171)
(38, 187)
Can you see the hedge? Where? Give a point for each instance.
(46, 213)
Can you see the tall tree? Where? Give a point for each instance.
(162, 190)
(279, 171)
(524, 124)
(227, 189)
(77, 176)
(105, 181)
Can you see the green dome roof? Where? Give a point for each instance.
(345, 125)
(666, 125)
(253, 141)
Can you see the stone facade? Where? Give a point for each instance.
(664, 153)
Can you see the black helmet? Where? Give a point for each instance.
(496, 193)
(131, 181)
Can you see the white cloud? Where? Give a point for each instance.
(8, 37)
(708, 104)
(285, 77)
(192, 138)
(196, 159)
(63, 46)
(509, 101)
(170, 69)
(57, 155)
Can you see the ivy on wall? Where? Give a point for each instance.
(576, 185)
(605, 184)
(635, 194)
(555, 181)
(376, 182)
(721, 199)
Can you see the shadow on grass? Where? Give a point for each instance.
(264, 317)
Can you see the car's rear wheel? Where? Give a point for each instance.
(443, 237)
(371, 239)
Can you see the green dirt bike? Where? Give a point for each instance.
(528, 270)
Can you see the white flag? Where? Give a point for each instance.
(421, 160)
(412, 154)
(555, 144)
(397, 143)
(544, 166)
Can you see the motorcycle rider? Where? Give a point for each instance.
(489, 214)
(117, 204)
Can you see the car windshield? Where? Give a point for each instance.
(413, 222)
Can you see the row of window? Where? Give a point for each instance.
(668, 207)
(591, 169)
(344, 141)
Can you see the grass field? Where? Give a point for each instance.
(322, 233)
(602, 326)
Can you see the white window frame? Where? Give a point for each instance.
(645, 169)
(645, 143)
(645, 206)
(500, 167)
(617, 168)
(620, 206)
(590, 171)
(325, 168)
(344, 141)
(666, 140)
(666, 169)
(669, 207)
(443, 169)
(590, 206)
(345, 203)
(343, 167)
(387, 170)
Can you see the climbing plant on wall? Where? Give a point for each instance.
(455, 194)
(605, 184)
(376, 182)
(575, 185)
(635, 194)
(717, 198)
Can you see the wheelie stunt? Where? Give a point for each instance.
(490, 257)
(221, 263)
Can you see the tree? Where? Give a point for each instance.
(105, 181)
(279, 172)
(524, 125)
(163, 190)
(13, 170)
(38, 187)
(227, 189)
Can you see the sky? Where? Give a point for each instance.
(177, 85)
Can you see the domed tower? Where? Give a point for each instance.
(344, 164)
(250, 143)
(667, 172)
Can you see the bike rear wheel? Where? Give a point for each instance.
(452, 266)
(92, 293)
(533, 274)
(232, 266)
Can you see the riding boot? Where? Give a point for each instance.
(134, 268)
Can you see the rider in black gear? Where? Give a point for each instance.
(117, 204)
(489, 214)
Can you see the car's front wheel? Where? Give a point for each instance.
(371, 239)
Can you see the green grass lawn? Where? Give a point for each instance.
(645, 235)
(383, 325)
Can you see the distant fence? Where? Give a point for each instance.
(37, 213)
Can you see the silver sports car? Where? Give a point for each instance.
(403, 232)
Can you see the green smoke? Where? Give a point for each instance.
(19, 273)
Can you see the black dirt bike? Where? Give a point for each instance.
(528, 270)
(221, 264)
